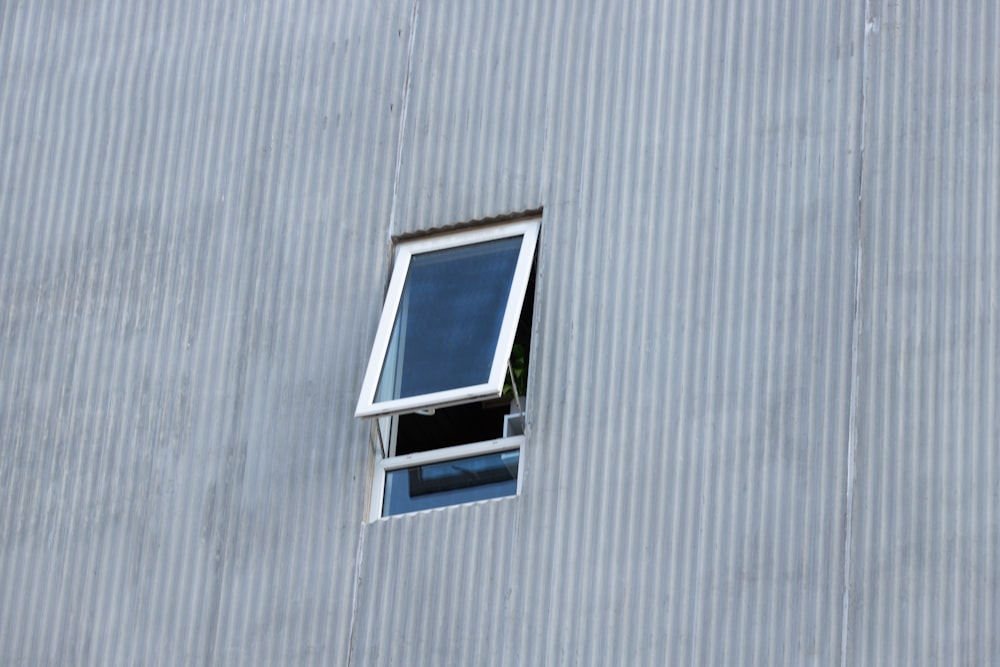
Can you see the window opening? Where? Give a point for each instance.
(490, 475)
(477, 421)
(449, 367)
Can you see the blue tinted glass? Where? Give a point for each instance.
(449, 319)
(450, 482)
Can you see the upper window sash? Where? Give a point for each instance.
(381, 392)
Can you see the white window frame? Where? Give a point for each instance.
(386, 465)
(367, 405)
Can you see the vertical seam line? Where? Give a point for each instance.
(414, 15)
(870, 25)
(359, 556)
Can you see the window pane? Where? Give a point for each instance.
(448, 323)
(451, 482)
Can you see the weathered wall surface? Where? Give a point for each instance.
(685, 474)
(765, 355)
(194, 205)
(925, 582)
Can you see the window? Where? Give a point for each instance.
(447, 372)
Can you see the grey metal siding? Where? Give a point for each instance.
(476, 111)
(925, 585)
(765, 356)
(194, 201)
(684, 481)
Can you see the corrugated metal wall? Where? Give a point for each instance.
(764, 361)
(194, 200)
(925, 582)
(684, 480)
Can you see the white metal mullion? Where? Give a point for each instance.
(452, 453)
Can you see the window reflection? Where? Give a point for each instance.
(443, 483)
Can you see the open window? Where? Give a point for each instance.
(445, 381)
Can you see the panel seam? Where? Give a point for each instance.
(358, 562)
(359, 555)
(414, 14)
(870, 25)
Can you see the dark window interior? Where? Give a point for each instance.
(470, 422)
